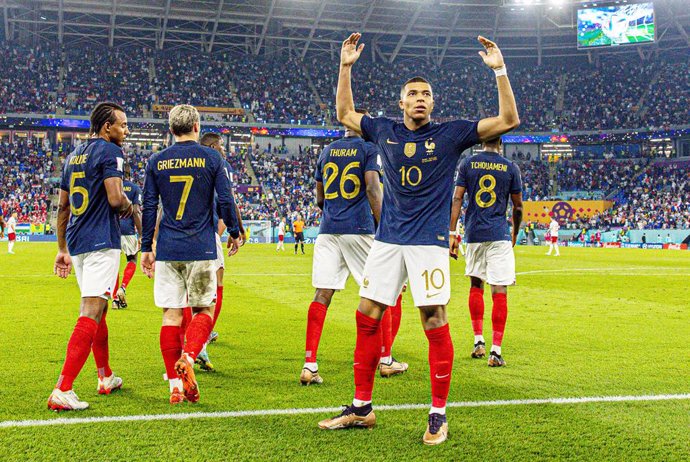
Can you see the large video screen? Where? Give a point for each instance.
(615, 25)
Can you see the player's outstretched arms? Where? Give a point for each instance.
(507, 118)
(344, 103)
(455, 210)
(63, 261)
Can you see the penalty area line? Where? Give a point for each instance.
(324, 410)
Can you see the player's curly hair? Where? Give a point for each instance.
(103, 113)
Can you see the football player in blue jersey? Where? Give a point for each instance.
(348, 190)
(419, 159)
(214, 141)
(489, 180)
(88, 231)
(184, 178)
(131, 239)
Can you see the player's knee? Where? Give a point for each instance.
(93, 307)
(220, 274)
(324, 296)
(132, 259)
(476, 282)
(499, 290)
(371, 308)
(433, 316)
(172, 317)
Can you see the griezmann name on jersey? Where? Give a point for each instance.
(341, 167)
(489, 180)
(93, 224)
(184, 177)
(133, 193)
(418, 169)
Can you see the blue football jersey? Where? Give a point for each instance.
(133, 193)
(489, 179)
(341, 167)
(185, 177)
(216, 208)
(418, 169)
(93, 224)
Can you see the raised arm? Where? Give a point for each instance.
(507, 118)
(344, 102)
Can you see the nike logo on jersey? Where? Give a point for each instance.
(433, 295)
(388, 140)
(441, 376)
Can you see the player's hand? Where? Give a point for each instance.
(139, 244)
(148, 264)
(350, 52)
(63, 264)
(454, 243)
(233, 245)
(243, 237)
(492, 57)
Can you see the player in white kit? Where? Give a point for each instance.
(281, 235)
(11, 232)
(553, 233)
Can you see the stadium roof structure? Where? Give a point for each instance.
(435, 30)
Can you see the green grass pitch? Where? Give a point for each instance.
(594, 322)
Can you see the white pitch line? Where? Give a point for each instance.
(324, 410)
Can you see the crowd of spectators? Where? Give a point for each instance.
(26, 169)
(276, 89)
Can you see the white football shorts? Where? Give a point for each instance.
(388, 266)
(336, 256)
(129, 244)
(97, 272)
(220, 258)
(178, 284)
(492, 262)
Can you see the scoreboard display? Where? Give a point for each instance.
(615, 25)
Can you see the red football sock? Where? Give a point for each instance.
(130, 269)
(386, 333)
(171, 348)
(219, 304)
(499, 314)
(197, 334)
(315, 319)
(78, 349)
(440, 364)
(477, 309)
(113, 293)
(367, 355)
(186, 319)
(100, 348)
(396, 316)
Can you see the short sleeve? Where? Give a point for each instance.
(318, 171)
(64, 181)
(516, 181)
(460, 177)
(372, 158)
(372, 127)
(137, 196)
(464, 133)
(112, 162)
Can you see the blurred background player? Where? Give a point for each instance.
(91, 197)
(131, 239)
(298, 231)
(489, 180)
(183, 178)
(281, 235)
(11, 232)
(2, 225)
(351, 206)
(214, 141)
(460, 234)
(553, 236)
(419, 159)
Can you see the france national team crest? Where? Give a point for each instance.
(410, 149)
(429, 145)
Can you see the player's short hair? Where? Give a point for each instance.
(182, 119)
(102, 114)
(209, 138)
(493, 142)
(417, 79)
